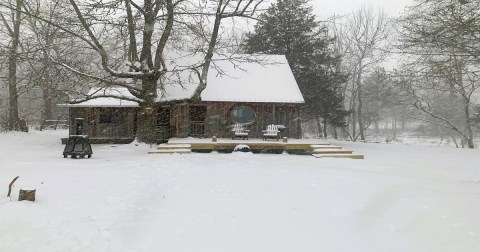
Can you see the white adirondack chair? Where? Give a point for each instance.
(271, 132)
(239, 131)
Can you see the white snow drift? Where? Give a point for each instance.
(401, 198)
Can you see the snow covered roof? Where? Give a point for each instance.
(108, 101)
(254, 82)
(266, 79)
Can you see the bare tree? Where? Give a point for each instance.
(449, 26)
(385, 100)
(446, 93)
(152, 28)
(12, 24)
(363, 37)
(49, 43)
(440, 41)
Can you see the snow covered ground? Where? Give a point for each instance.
(400, 198)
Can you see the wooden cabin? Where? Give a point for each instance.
(252, 94)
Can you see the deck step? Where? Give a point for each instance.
(174, 146)
(353, 156)
(170, 151)
(332, 151)
(327, 147)
(319, 145)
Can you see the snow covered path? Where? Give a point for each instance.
(400, 198)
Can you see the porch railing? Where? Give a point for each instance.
(197, 128)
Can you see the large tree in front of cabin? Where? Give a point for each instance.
(167, 18)
(132, 37)
(289, 27)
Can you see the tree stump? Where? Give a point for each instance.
(26, 195)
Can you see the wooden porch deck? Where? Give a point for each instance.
(223, 145)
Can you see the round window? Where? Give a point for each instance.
(242, 114)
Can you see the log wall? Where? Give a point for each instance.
(219, 123)
(96, 129)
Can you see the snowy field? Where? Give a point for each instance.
(400, 198)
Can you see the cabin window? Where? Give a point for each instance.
(198, 113)
(111, 118)
(243, 114)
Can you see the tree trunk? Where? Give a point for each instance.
(466, 108)
(147, 116)
(377, 128)
(13, 118)
(454, 141)
(47, 80)
(335, 133)
(470, 143)
(359, 111)
(47, 95)
(325, 134)
(468, 127)
(353, 115)
(47, 103)
(394, 127)
(319, 126)
(147, 125)
(354, 126)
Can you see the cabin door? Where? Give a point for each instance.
(79, 126)
(198, 114)
(163, 124)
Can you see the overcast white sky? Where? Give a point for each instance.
(326, 8)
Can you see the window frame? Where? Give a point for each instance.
(111, 118)
(235, 107)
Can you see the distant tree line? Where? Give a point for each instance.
(440, 41)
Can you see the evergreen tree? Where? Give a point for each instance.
(288, 27)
